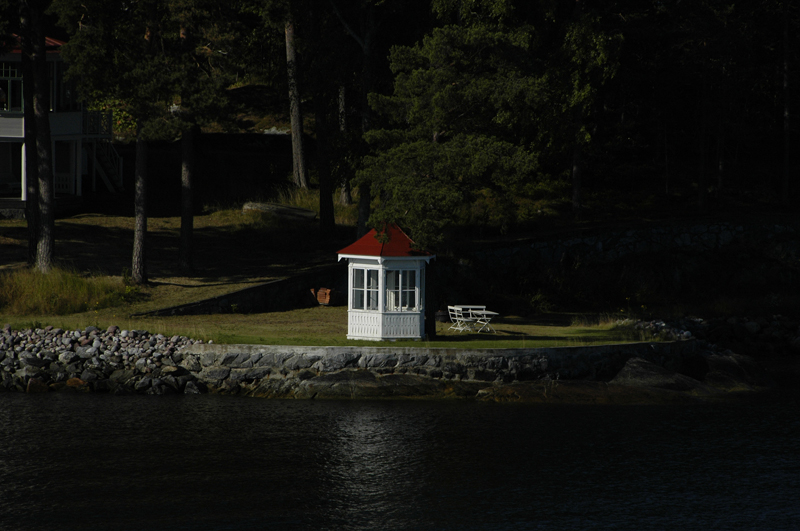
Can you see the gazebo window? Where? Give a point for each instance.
(365, 289)
(401, 290)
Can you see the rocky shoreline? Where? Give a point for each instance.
(680, 369)
(772, 341)
(114, 360)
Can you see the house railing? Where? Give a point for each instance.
(62, 182)
(97, 123)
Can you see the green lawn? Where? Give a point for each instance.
(233, 250)
(326, 325)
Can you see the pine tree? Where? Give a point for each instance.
(481, 109)
(40, 204)
(168, 62)
(118, 49)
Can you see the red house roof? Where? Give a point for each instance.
(50, 44)
(397, 243)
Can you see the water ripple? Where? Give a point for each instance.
(88, 462)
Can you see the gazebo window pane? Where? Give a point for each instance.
(372, 289)
(358, 289)
(358, 299)
(409, 300)
(410, 290)
(393, 291)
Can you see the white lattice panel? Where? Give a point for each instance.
(364, 325)
(402, 325)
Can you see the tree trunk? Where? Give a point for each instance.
(577, 174)
(41, 107)
(365, 189)
(298, 159)
(138, 265)
(702, 181)
(345, 197)
(666, 160)
(369, 32)
(187, 207)
(364, 200)
(720, 162)
(32, 180)
(577, 120)
(786, 96)
(327, 221)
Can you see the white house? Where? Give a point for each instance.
(81, 139)
(386, 286)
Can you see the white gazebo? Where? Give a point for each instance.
(386, 286)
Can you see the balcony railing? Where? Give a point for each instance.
(97, 123)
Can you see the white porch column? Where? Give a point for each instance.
(24, 176)
(381, 287)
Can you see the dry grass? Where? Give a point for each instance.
(29, 292)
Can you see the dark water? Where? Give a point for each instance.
(207, 462)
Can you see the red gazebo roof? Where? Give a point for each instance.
(397, 244)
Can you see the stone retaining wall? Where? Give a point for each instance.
(348, 372)
(130, 361)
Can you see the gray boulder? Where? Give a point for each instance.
(377, 360)
(213, 374)
(67, 357)
(257, 373)
(301, 361)
(639, 372)
(89, 376)
(730, 372)
(191, 389)
(30, 360)
(121, 375)
(337, 362)
(190, 363)
(143, 384)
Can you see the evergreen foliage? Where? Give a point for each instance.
(482, 112)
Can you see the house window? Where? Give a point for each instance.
(365, 289)
(10, 88)
(64, 90)
(10, 166)
(401, 291)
